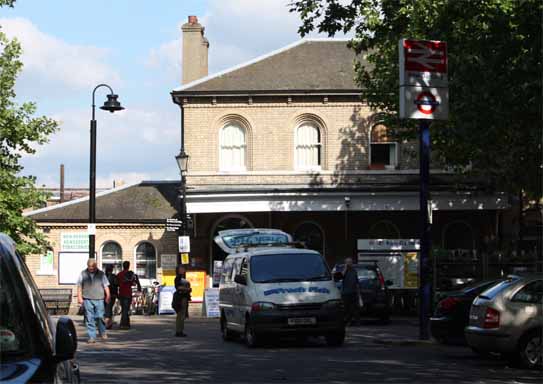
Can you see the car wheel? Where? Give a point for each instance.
(227, 335)
(251, 338)
(335, 339)
(529, 353)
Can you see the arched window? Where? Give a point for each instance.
(383, 151)
(146, 261)
(112, 254)
(308, 146)
(311, 235)
(384, 230)
(233, 148)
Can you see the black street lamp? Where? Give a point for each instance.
(111, 105)
(182, 160)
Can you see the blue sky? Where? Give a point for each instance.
(134, 46)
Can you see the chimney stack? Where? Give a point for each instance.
(195, 50)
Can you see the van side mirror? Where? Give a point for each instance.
(338, 276)
(241, 279)
(389, 283)
(65, 340)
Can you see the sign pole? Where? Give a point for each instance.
(425, 283)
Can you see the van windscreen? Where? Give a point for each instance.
(282, 268)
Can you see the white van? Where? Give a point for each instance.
(269, 286)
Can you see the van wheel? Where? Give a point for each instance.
(529, 352)
(251, 338)
(335, 339)
(227, 335)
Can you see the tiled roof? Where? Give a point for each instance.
(307, 65)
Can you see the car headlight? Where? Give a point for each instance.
(330, 304)
(260, 306)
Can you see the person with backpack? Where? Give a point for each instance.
(92, 293)
(114, 292)
(127, 279)
(181, 298)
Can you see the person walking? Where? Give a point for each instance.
(127, 279)
(350, 293)
(114, 292)
(181, 300)
(92, 293)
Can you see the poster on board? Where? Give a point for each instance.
(197, 281)
(165, 298)
(211, 301)
(70, 266)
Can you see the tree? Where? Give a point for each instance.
(20, 132)
(495, 72)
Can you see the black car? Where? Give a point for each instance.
(31, 348)
(451, 315)
(373, 289)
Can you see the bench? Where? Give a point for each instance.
(57, 300)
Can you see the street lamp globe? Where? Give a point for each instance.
(182, 162)
(112, 104)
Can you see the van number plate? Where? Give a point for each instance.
(302, 321)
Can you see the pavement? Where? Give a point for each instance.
(373, 353)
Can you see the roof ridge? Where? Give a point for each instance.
(255, 60)
(80, 200)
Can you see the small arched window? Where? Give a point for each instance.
(146, 261)
(112, 254)
(233, 148)
(308, 146)
(383, 151)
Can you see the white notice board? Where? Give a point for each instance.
(211, 300)
(70, 265)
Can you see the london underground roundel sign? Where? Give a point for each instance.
(426, 103)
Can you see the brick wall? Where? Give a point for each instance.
(270, 125)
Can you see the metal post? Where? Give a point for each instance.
(92, 182)
(425, 282)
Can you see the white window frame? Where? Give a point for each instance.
(135, 266)
(222, 166)
(319, 146)
(102, 253)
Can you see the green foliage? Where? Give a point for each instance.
(20, 132)
(495, 74)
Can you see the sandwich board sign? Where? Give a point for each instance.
(424, 90)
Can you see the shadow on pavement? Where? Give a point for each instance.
(149, 353)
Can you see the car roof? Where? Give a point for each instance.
(269, 251)
(7, 245)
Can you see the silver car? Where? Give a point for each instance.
(508, 319)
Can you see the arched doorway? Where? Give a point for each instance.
(311, 235)
(228, 222)
(384, 229)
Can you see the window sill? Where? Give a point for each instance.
(46, 273)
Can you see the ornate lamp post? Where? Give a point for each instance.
(182, 160)
(111, 105)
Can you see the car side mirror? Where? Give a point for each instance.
(241, 279)
(65, 339)
(389, 283)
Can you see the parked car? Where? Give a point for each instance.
(451, 315)
(508, 319)
(32, 347)
(373, 289)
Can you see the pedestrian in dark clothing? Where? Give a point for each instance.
(180, 302)
(92, 292)
(350, 293)
(127, 279)
(114, 292)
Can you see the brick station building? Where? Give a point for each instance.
(282, 141)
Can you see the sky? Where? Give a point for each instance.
(134, 46)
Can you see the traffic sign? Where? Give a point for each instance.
(423, 63)
(424, 103)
